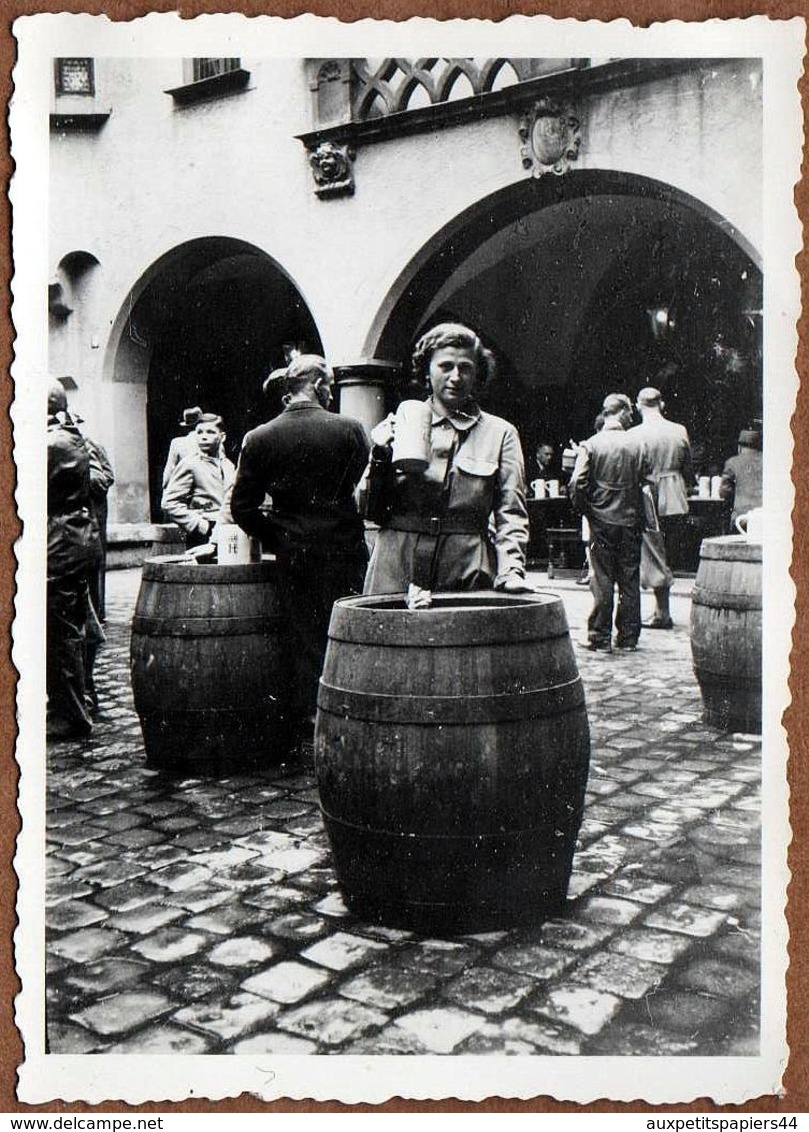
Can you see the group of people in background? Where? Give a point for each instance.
(632, 531)
(632, 484)
(306, 481)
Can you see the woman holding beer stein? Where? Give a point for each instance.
(445, 480)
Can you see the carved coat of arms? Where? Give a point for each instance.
(550, 134)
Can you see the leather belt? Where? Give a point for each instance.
(434, 525)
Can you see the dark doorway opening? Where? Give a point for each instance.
(592, 283)
(216, 318)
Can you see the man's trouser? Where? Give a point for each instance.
(67, 609)
(614, 560)
(310, 586)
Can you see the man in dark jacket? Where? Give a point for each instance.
(73, 550)
(102, 478)
(606, 487)
(308, 461)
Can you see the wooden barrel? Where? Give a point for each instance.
(207, 665)
(726, 632)
(451, 753)
(168, 539)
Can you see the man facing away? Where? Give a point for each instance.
(102, 478)
(73, 549)
(668, 453)
(308, 461)
(743, 474)
(606, 487)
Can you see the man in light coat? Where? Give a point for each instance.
(183, 445)
(743, 474)
(197, 487)
(668, 454)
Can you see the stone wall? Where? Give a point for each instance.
(157, 175)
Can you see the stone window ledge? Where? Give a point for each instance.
(229, 82)
(87, 120)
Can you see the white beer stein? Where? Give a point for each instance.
(553, 489)
(411, 436)
(704, 489)
(234, 547)
(538, 488)
(751, 525)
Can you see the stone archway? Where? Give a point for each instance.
(204, 325)
(593, 282)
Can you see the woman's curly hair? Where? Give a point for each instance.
(460, 336)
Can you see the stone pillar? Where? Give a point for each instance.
(365, 389)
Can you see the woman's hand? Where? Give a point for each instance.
(382, 434)
(515, 584)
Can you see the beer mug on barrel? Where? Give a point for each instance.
(411, 436)
(751, 525)
(234, 547)
(538, 488)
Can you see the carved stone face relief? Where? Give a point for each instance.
(331, 167)
(550, 133)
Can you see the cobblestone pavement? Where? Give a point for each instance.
(202, 916)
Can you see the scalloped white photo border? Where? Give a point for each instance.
(135, 1079)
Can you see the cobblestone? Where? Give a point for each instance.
(202, 916)
(622, 975)
(342, 951)
(123, 1012)
(658, 947)
(287, 982)
(441, 1030)
(233, 1017)
(584, 1009)
(491, 992)
(685, 1012)
(331, 1020)
(680, 917)
(85, 947)
(169, 945)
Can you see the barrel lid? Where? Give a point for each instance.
(472, 618)
(166, 568)
(735, 548)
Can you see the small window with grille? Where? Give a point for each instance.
(209, 68)
(207, 79)
(74, 76)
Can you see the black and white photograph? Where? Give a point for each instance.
(403, 613)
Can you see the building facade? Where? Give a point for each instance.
(598, 221)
